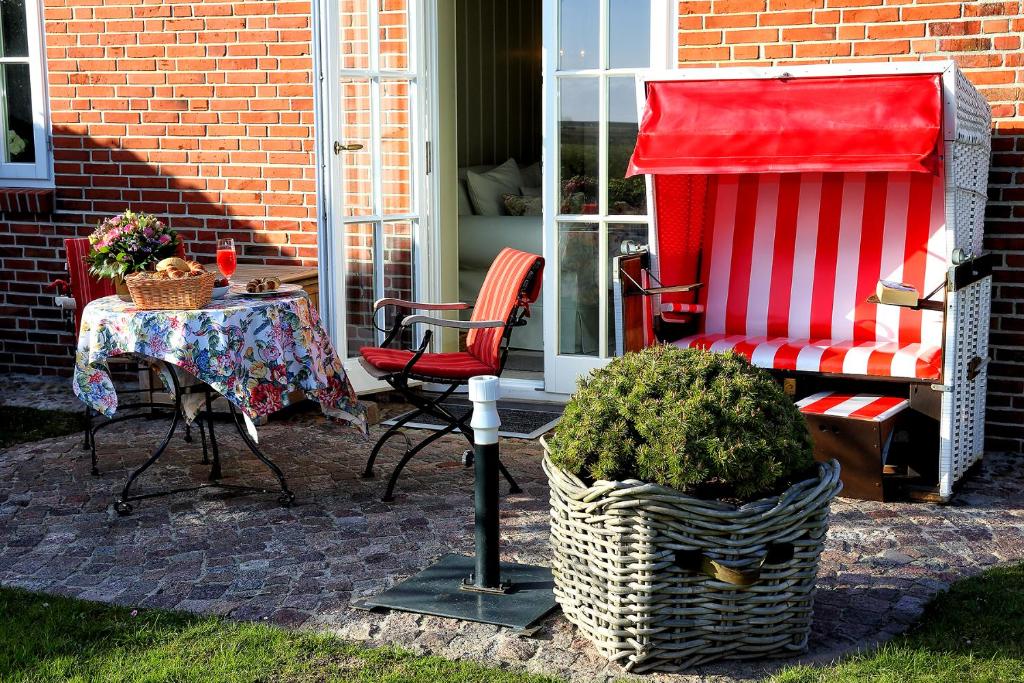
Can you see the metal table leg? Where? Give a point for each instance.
(123, 506)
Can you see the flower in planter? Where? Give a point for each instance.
(128, 243)
(707, 424)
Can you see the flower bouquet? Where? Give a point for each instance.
(129, 243)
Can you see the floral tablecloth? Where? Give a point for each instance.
(254, 351)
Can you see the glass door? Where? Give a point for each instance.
(376, 177)
(593, 50)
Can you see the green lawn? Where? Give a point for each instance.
(18, 425)
(973, 633)
(47, 638)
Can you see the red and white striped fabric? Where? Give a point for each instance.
(788, 261)
(513, 280)
(853, 406)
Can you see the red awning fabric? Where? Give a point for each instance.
(840, 123)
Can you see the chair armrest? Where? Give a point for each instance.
(456, 324)
(418, 305)
(65, 303)
(650, 291)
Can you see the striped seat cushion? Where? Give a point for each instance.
(853, 406)
(439, 365)
(873, 358)
(789, 260)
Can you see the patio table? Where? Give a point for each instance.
(255, 351)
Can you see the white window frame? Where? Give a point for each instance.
(562, 370)
(40, 173)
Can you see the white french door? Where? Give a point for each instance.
(592, 52)
(372, 123)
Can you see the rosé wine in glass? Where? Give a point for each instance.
(227, 261)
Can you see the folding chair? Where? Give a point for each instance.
(73, 295)
(512, 283)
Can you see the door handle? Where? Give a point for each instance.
(339, 148)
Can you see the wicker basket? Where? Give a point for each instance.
(183, 294)
(658, 580)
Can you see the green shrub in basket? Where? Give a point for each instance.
(708, 424)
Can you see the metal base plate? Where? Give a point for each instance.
(436, 591)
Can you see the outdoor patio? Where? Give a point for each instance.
(247, 558)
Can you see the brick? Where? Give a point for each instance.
(833, 49)
(809, 33)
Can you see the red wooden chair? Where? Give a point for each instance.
(513, 282)
(74, 295)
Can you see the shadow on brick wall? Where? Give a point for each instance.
(197, 192)
(1004, 236)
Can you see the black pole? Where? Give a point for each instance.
(483, 392)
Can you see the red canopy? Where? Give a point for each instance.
(837, 123)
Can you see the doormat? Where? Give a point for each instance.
(518, 420)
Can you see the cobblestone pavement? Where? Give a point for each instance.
(247, 558)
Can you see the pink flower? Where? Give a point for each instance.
(164, 239)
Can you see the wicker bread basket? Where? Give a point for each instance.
(182, 294)
(658, 580)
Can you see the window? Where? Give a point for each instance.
(24, 150)
(602, 44)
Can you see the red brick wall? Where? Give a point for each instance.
(985, 40)
(200, 112)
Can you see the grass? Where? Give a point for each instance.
(19, 425)
(49, 638)
(972, 633)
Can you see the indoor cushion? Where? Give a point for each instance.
(465, 206)
(486, 189)
(442, 365)
(518, 205)
(532, 175)
(872, 358)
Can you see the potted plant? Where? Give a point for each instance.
(128, 243)
(687, 511)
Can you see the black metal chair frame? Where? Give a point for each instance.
(418, 397)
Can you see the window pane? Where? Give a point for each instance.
(578, 290)
(626, 196)
(21, 146)
(629, 34)
(357, 165)
(394, 34)
(578, 140)
(398, 269)
(617, 234)
(359, 289)
(15, 28)
(355, 34)
(395, 147)
(579, 30)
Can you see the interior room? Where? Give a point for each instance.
(499, 136)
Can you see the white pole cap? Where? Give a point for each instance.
(484, 389)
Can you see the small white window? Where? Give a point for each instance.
(25, 155)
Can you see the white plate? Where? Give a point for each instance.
(239, 290)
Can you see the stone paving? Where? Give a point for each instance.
(247, 558)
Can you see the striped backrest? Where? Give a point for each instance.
(84, 287)
(513, 280)
(796, 255)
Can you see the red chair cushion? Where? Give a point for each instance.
(875, 359)
(436, 365)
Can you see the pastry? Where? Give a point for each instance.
(172, 262)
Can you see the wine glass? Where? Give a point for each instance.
(227, 261)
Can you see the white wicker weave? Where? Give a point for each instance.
(624, 575)
(968, 150)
